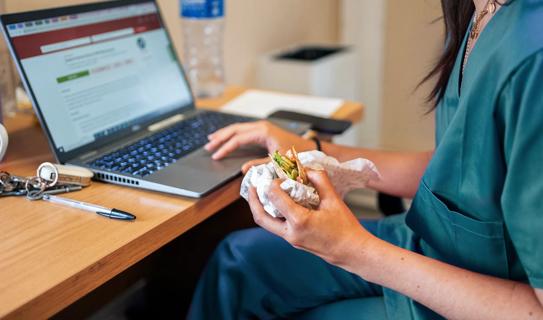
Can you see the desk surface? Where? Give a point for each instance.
(50, 255)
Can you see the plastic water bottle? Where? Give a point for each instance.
(8, 82)
(203, 23)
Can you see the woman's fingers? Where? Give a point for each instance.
(234, 143)
(248, 165)
(322, 184)
(292, 211)
(262, 218)
(220, 136)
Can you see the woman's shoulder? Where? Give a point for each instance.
(524, 27)
(517, 36)
(527, 10)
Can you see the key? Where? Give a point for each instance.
(51, 179)
(11, 183)
(5, 182)
(37, 194)
(15, 192)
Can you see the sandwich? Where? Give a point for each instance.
(289, 166)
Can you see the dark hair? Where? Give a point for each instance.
(456, 15)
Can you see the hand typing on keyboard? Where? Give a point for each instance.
(263, 133)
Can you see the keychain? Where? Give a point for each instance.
(64, 174)
(50, 179)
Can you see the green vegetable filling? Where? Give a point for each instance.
(286, 164)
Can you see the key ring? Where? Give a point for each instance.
(53, 174)
(35, 194)
(34, 188)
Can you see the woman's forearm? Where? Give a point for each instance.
(453, 292)
(400, 171)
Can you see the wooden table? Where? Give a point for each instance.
(50, 256)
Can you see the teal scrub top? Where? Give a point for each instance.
(479, 205)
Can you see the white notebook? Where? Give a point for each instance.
(260, 104)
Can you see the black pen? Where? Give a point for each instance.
(106, 212)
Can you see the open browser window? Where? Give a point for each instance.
(96, 73)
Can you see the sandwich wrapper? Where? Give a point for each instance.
(345, 176)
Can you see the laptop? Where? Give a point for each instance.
(111, 95)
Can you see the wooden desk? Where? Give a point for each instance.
(50, 256)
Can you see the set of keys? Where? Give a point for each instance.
(50, 179)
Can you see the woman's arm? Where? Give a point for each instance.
(453, 292)
(333, 233)
(400, 171)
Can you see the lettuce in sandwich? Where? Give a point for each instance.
(289, 166)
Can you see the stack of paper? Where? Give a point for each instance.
(260, 104)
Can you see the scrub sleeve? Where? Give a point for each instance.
(521, 113)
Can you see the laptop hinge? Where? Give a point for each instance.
(165, 123)
(88, 155)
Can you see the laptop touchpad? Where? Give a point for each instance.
(199, 173)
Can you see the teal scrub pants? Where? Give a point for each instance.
(255, 274)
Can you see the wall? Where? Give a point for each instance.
(413, 43)
(252, 27)
(363, 28)
(396, 43)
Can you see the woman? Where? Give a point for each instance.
(470, 246)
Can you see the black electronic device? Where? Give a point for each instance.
(319, 124)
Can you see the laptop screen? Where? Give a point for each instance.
(97, 73)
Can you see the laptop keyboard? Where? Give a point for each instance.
(165, 147)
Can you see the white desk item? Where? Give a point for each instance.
(324, 70)
(260, 104)
(3, 141)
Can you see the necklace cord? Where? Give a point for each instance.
(490, 6)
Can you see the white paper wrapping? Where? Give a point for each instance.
(345, 176)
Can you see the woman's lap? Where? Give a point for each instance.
(255, 273)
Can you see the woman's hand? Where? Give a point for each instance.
(263, 133)
(249, 164)
(330, 231)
